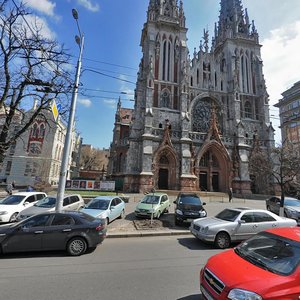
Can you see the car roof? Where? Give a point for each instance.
(106, 198)
(28, 193)
(155, 194)
(292, 233)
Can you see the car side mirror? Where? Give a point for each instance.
(174, 202)
(241, 221)
(112, 207)
(26, 203)
(204, 203)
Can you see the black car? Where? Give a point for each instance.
(188, 207)
(75, 232)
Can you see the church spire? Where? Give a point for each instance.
(234, 22)
(166, 10)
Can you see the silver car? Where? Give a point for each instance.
(291, 207)
(235, 225)
(70, 202)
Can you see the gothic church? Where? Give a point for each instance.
(198, 116)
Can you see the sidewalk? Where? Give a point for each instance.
(122, 228)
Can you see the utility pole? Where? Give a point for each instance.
(66, 153)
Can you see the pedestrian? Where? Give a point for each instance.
(230, 194)
(29, 188)
(13, 184)
(9, 188)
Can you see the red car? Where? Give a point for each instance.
(264, 267)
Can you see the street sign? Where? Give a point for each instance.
(55, 110)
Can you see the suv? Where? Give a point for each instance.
(70, 202)
(188, 207)
(11, 205)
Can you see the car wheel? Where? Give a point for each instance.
(13, 218)
(76, 246)
(222, 240)
(122, 214)
(106, 221)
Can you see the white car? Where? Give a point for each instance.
(12, 205)
(70, 202)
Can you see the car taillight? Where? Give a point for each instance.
(99, 228)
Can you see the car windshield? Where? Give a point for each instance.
(101, 204)
(190, 199)
(228, 215)
(151, 199)
(47, 202)
(290, 202)
(12, 200)
(271, 252)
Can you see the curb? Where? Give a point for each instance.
(147, 234)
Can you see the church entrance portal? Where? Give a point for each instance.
(213, 174)
(163, 178)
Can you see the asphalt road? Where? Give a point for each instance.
(160, 268)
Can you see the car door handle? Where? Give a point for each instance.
(67, 230)
(39, 232)
(274, 225)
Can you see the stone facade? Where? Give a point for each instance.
(195, 117)
(36, 156)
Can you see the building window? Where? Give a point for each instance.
(8, 167)
(165, 98)
(204, 160)
(248, 110)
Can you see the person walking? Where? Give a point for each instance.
(230, 194)
(9, 188)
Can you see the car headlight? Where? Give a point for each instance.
(179, 212)
(202, 213)
(238, 294)
(3, 213)
(292, 212)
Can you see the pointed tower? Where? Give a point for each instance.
(161, 94)
(195, 117)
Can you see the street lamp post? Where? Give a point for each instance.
(66, 153)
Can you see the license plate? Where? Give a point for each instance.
(206, 294)
(189, 220)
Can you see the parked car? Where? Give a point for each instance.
(154, 203)
(291, 207)
(11, 205)
(235, 225)
(105, 207)
(70, 202)
(267, 266)
(188, 206)
(74, 232)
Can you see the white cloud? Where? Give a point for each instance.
(110, 103)
(85, 102)
(40, 24)
(280, 53)
(89, 5)
(44, 6)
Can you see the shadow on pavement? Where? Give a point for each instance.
(34, 254)
(194, 244)
(192, 297)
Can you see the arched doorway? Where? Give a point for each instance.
(165, 174)
(213, 171)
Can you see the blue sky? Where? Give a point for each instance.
(112, 30)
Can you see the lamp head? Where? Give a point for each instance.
(75, 14)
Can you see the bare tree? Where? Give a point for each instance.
(92, 159)
(31, 69)
(284, 167)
